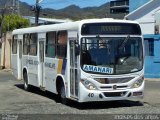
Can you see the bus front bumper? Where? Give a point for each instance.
(86, 95)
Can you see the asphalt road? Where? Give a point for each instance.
(16, 103)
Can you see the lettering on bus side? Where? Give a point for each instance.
(31, 62)
(35, 62)
(50, 65)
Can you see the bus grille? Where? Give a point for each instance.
(110, 87)
(113, 80)
(114, 94)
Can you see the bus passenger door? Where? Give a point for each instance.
(14, 61)
(41, 64)
(73, 64)
(19, 56)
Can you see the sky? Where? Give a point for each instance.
(59, 4)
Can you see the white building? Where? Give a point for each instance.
(146, 16)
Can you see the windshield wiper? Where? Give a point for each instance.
(124, 42)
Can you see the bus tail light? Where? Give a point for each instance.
(88, 84)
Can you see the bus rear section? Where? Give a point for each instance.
(111, 61)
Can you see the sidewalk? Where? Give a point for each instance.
(5, 70)
(152, 79)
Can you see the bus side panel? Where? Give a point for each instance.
(33, 70)
(51, 74)
(14, 65)
(53, 68)
(65, 76)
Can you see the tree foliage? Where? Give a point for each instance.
(12, 22)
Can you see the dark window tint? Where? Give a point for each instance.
(62, 44)
(33, 44)
(51, 44)
(110, 29)
(26, 39)
(14, 45)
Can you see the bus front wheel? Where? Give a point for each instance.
(63, 95)
(27, 87)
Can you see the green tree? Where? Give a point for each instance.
(12, 22)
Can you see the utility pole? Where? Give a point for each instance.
(37, 11)
(16, 6)
(3, 10)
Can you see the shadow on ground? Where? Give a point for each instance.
(87, 105)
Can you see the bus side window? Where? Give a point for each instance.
(51, 44)
(33, 44)
(25, 44)
(14, 45)
(62, 44)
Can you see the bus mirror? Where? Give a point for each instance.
(77, 50)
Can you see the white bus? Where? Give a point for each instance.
(88, 60)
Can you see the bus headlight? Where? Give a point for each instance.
(138, 83)
(88, 84)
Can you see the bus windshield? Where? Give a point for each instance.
(116, 55)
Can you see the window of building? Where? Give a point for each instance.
(119, 6)
(62, 44)
(14, 45)
(26, 39)
(51, 44)
(33, 44)
(149, 47)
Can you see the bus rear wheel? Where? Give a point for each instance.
(27, 87)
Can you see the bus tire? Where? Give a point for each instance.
(63, 95)
(27, 87)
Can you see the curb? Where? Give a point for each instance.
(152, 79)
(5, 70)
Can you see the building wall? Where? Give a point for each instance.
(147, 23)
(2, 54)
(152, 56)
(145, 15)
(148, 15)
(157, 24)
(133, 4)
(6, 52)
(119, 6)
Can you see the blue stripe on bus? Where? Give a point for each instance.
(64, 66)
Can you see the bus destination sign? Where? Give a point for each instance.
(110, 29)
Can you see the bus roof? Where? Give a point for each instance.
(66, 26)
